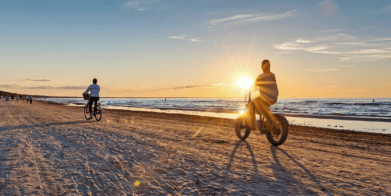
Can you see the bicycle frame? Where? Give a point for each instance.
(264, 119)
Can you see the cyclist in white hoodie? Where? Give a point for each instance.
(267, 85)
(94, 88)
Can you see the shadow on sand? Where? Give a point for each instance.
(253, 160)
(4, 128)
(285, 183)
(278, 170)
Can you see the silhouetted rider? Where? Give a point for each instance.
(267, 85)
(94, 88)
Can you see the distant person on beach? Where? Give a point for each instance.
(12, 97)
(31, 100)
(267, 86)
(27, 99)
(94, 88)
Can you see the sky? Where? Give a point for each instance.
(169, 48)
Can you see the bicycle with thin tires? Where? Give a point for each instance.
(97, 110)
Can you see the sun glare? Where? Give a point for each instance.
(244, 82)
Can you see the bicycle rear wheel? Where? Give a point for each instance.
(282, 125)
(98, 113)
(86, 112)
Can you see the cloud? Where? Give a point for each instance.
(370, 51)
(58, 87)
(182, 37)
(135, 5)
(12, 86)
(329, 8)
(233, 18)
(17, 86)
(324, 70)
(346, 66)
(195, 40)
(248, 18)
(202, 86)
(40, 80)
(195, 86)
(321, 3)
(360, 29)
(177, 37)
(303, 41)
(331, 30)
(345, 46)
(383, 39)
(141, 5)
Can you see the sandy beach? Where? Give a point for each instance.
(48, 149)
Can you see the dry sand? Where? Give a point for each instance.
(47, 149)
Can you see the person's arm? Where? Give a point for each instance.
(258, 82)
(88, 89)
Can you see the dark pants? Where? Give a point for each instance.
(95, 100)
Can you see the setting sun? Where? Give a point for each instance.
(244, 82)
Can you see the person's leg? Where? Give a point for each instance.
(95, 99)
(255, 106)
(262, 107)
(90, 106)
(95, 104)
(250, 117)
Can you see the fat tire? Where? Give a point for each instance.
(284, 131)
(238, 130)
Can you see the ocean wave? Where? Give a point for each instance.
(358, 104)
(322, 107)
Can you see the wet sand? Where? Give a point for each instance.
(48, 149)
(363, 124)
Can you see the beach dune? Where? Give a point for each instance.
(48, 149)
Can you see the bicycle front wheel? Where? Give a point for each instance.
(242, 131)
(86, 112)
(98, 113)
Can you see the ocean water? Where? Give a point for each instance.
(365, 108)
(361, 114)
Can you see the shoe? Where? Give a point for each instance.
(89, 118)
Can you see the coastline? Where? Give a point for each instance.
(367, 125)
(381, 125)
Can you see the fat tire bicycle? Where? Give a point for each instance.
(276, 132)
